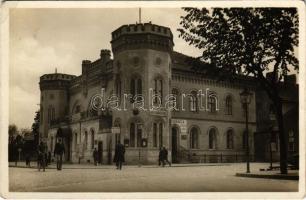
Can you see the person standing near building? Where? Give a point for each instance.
(59, 150)
(165, 157)
(119, 155)
(95, 156)
(41, 160)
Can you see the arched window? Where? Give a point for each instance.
(132, 135)
(86, 139)
(212, 103)
(193, 101)
(194, 138)
(175, 93)
(230, 139)
(212, 138)
(228, 105)
(51, 114)
(117, 124)
(160, 134)
(154, 134)
(139, 134)
(92, 139)
(136, 86)
(158, 90)
(118, 87)
(244, 139)
(75, 140)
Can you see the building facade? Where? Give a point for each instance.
(145, 65)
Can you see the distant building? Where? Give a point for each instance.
(267, 127)
(143, 59)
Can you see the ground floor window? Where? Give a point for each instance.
(194, 138)
(212, 138)
(229, 139)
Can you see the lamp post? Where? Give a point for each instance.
(245, 98)
(272, 134)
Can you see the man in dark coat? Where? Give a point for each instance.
(165, 156)
(59, 150)
(95, 156)
(160, 157)
(119, 155)
(41, 160)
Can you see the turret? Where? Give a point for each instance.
(53, 99)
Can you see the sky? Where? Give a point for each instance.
(44, 39)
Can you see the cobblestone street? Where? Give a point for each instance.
(179, 178)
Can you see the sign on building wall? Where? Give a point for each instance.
(115, 130)
(182, 123)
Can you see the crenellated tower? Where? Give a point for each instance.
(54, 100)
(142, 63)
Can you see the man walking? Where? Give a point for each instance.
(59, 150)
(165, 157)
(119, 155)
(41, 160)
(95, 156)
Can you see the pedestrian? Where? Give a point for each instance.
(41, 160)
(95, 156)
(160, 160)
(165, 156)
(59, 150)
(28, 160)
(119, 155)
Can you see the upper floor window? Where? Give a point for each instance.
(51, 114)
(118, 86)
(158, 90)
(136, 86)
(175, 103)
(212, 103)
(228, 105)
(193, 101)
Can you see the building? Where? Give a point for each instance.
(266, 139)
(144, 63)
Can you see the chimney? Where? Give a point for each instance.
(85, 64)
(105, 55)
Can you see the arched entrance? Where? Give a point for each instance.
(175, 145)
(65, 134)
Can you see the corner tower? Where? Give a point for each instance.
(53, 100)
(142, 63)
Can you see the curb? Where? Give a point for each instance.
(273, 176)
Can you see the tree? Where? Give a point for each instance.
(35, 127)
(249, 41)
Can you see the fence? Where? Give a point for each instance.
(218, 158)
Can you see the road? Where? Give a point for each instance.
(145, 179)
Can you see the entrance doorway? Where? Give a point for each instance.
(100, 152)
(174, 145)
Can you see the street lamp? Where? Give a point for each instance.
(272, 133)
(245, 98)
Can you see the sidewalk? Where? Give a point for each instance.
(91, 166)
(292, 175)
